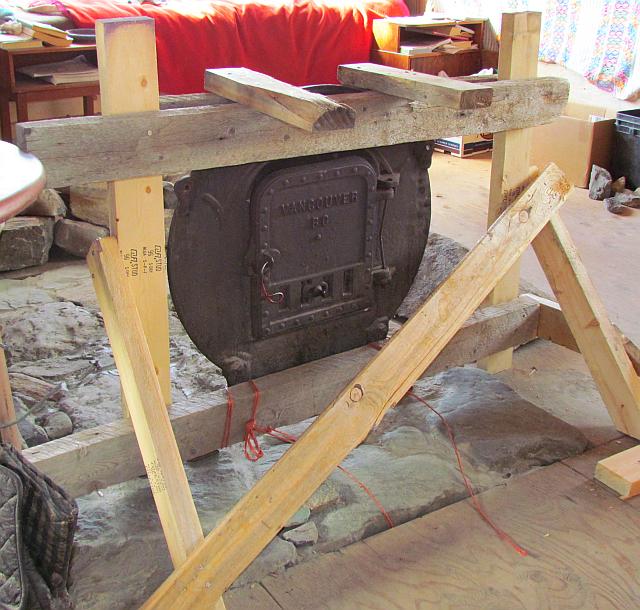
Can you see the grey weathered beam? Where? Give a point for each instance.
(92, 149)
(108, 454)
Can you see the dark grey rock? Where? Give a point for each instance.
(25, 241)
(169, 196)
(441, 256)
(48, 203)
(615, 206)
(56, 424)
(278, 555)
(300, 517)
(168, 217)
(304, 534)
(599, 183)
(32, 433)
(76, 236)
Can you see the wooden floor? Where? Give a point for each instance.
(582, 541)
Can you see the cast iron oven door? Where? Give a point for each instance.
(275, 264)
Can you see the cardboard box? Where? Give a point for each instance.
(580, 138)
(465, 146)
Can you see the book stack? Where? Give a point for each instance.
(447, 39)
(46, 33)
(76, 70)
(18, 41)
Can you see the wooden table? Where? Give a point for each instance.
(21, 89)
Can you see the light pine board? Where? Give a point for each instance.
(519, 42)
(129, 84)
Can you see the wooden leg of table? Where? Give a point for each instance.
(22, 109)
(519, 42)
(5, 120)
(88, 104)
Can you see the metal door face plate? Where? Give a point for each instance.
(315, 225)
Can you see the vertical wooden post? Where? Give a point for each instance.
(10, 435)
(519, 43)
(129, 83)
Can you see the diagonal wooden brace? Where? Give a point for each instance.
(601, 345)
(258, 517)
(141, 388)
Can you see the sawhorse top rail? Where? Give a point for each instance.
(103, 148)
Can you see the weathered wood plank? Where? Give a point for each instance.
(292, 105)
(136, 207)
(108, 454)
(599, 343)
(519, 42)
(621, 472)
(426, 88)
(253, 522)
(10, 435)
(91, 149)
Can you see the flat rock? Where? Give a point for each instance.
(599, 183)
(89, 202)
(304, 534)
(300, 517)
(49, 329)
(76, 237)
(615, 206)
(25, 241)
(48, 203)
(53, 369)
(169, 196)
(36, 389)
(168, 217)
(441, 256)
(56, 424)
(407, 462)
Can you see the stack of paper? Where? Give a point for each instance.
(76, 70)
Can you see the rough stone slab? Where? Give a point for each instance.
(300, 517)
(304, 534)
(441, 256)
(599, 183)
(25, 241)
(32, 387)
(76, 237)
(407, 462)
(46, 330)
(89, 203)
(48, 203)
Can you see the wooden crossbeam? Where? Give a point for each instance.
(426, 88)
(129, 83)
(553, 326)
(92, 459)
(253, 522)
(621, 472)
(292, 105)
(168, 141)
(519, 43)
(141, 388)
(599, 342)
